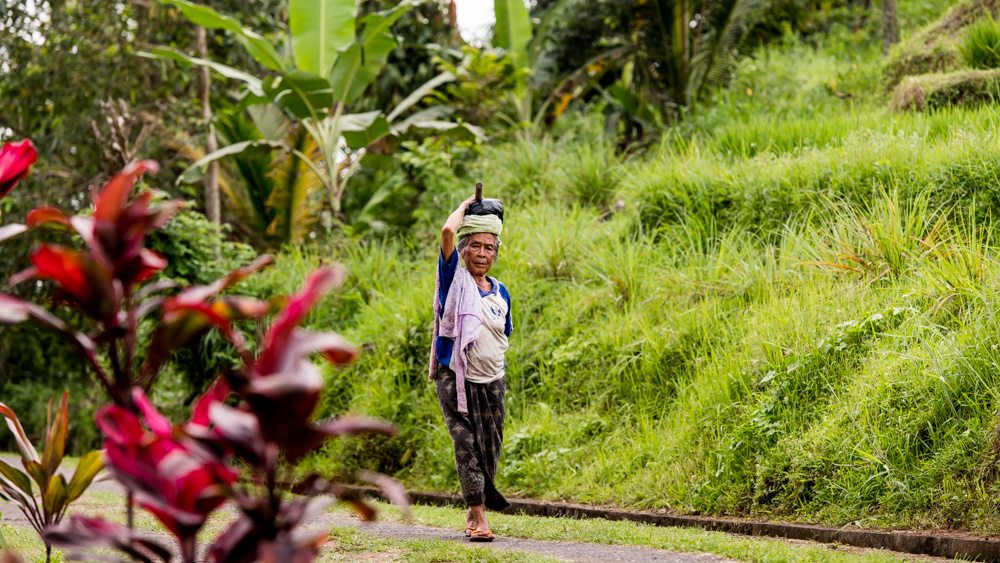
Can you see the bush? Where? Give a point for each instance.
(936, 47)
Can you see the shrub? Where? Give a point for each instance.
(936, 47)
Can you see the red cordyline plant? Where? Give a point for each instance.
(182, 473)
(15, 162)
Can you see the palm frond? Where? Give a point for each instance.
(728, 23)
(294, 202)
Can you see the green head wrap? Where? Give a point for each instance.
(473, 224)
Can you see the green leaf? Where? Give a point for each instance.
(419, 94)
(464, 131)
(302, 94)
(541, 31)
(252, 82)
(432, 113)
(363, 129)
(513, 30)
(360, 64)
(320, 28)
(55, 438)
(259, 48)
(16, 477)
(87, 468)
(3, 543)
(194, 172)
(37, 472)
(55, 497)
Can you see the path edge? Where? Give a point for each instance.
(906, 542)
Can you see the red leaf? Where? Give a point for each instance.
(217, 393)
(119, 425)
(335, 347)
(199, 293)
(109, 202)
(277, 339)
(352, 425)
(85, 284)
(393, 490)
(15, 310)
(15, 162)
(238, 543)
(154, 420)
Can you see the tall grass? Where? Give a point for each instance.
(981, 48)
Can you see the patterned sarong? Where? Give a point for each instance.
(477, 436)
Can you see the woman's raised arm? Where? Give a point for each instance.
(451, 227)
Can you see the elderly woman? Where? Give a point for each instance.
(471, 327)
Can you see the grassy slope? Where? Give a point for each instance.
(794, 316)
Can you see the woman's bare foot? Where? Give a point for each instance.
(481, 532)
(470, 523)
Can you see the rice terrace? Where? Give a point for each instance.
(508, 280)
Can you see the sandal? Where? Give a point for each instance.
(481, 536)
(469, 530)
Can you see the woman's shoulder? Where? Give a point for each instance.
(502, 289)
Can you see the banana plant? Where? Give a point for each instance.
(524, 46)
(55, 493)
(333, 60)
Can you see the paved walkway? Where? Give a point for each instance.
(564, 551)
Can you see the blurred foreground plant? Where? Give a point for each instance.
(180, 473)
(15, 162)
(55, 494)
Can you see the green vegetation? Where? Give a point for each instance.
(936, 91)
(936, 47)
(792, 316)
(981, 48)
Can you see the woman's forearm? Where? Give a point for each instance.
(451, 227)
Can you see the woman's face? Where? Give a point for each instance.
(480, 253)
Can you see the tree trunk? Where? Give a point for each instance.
(211, 179)
(890, 25)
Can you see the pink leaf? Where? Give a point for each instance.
(12, 230)
(15, 162)
(154, 420)
(393, 490)
(277, 339)
(110, 200)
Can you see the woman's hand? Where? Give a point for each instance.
(451, 227)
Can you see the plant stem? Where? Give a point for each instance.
(189, 547)
(48, 553)
(128, 510)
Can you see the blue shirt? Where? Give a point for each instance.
(445, 345)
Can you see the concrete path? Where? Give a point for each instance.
(564, 551)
